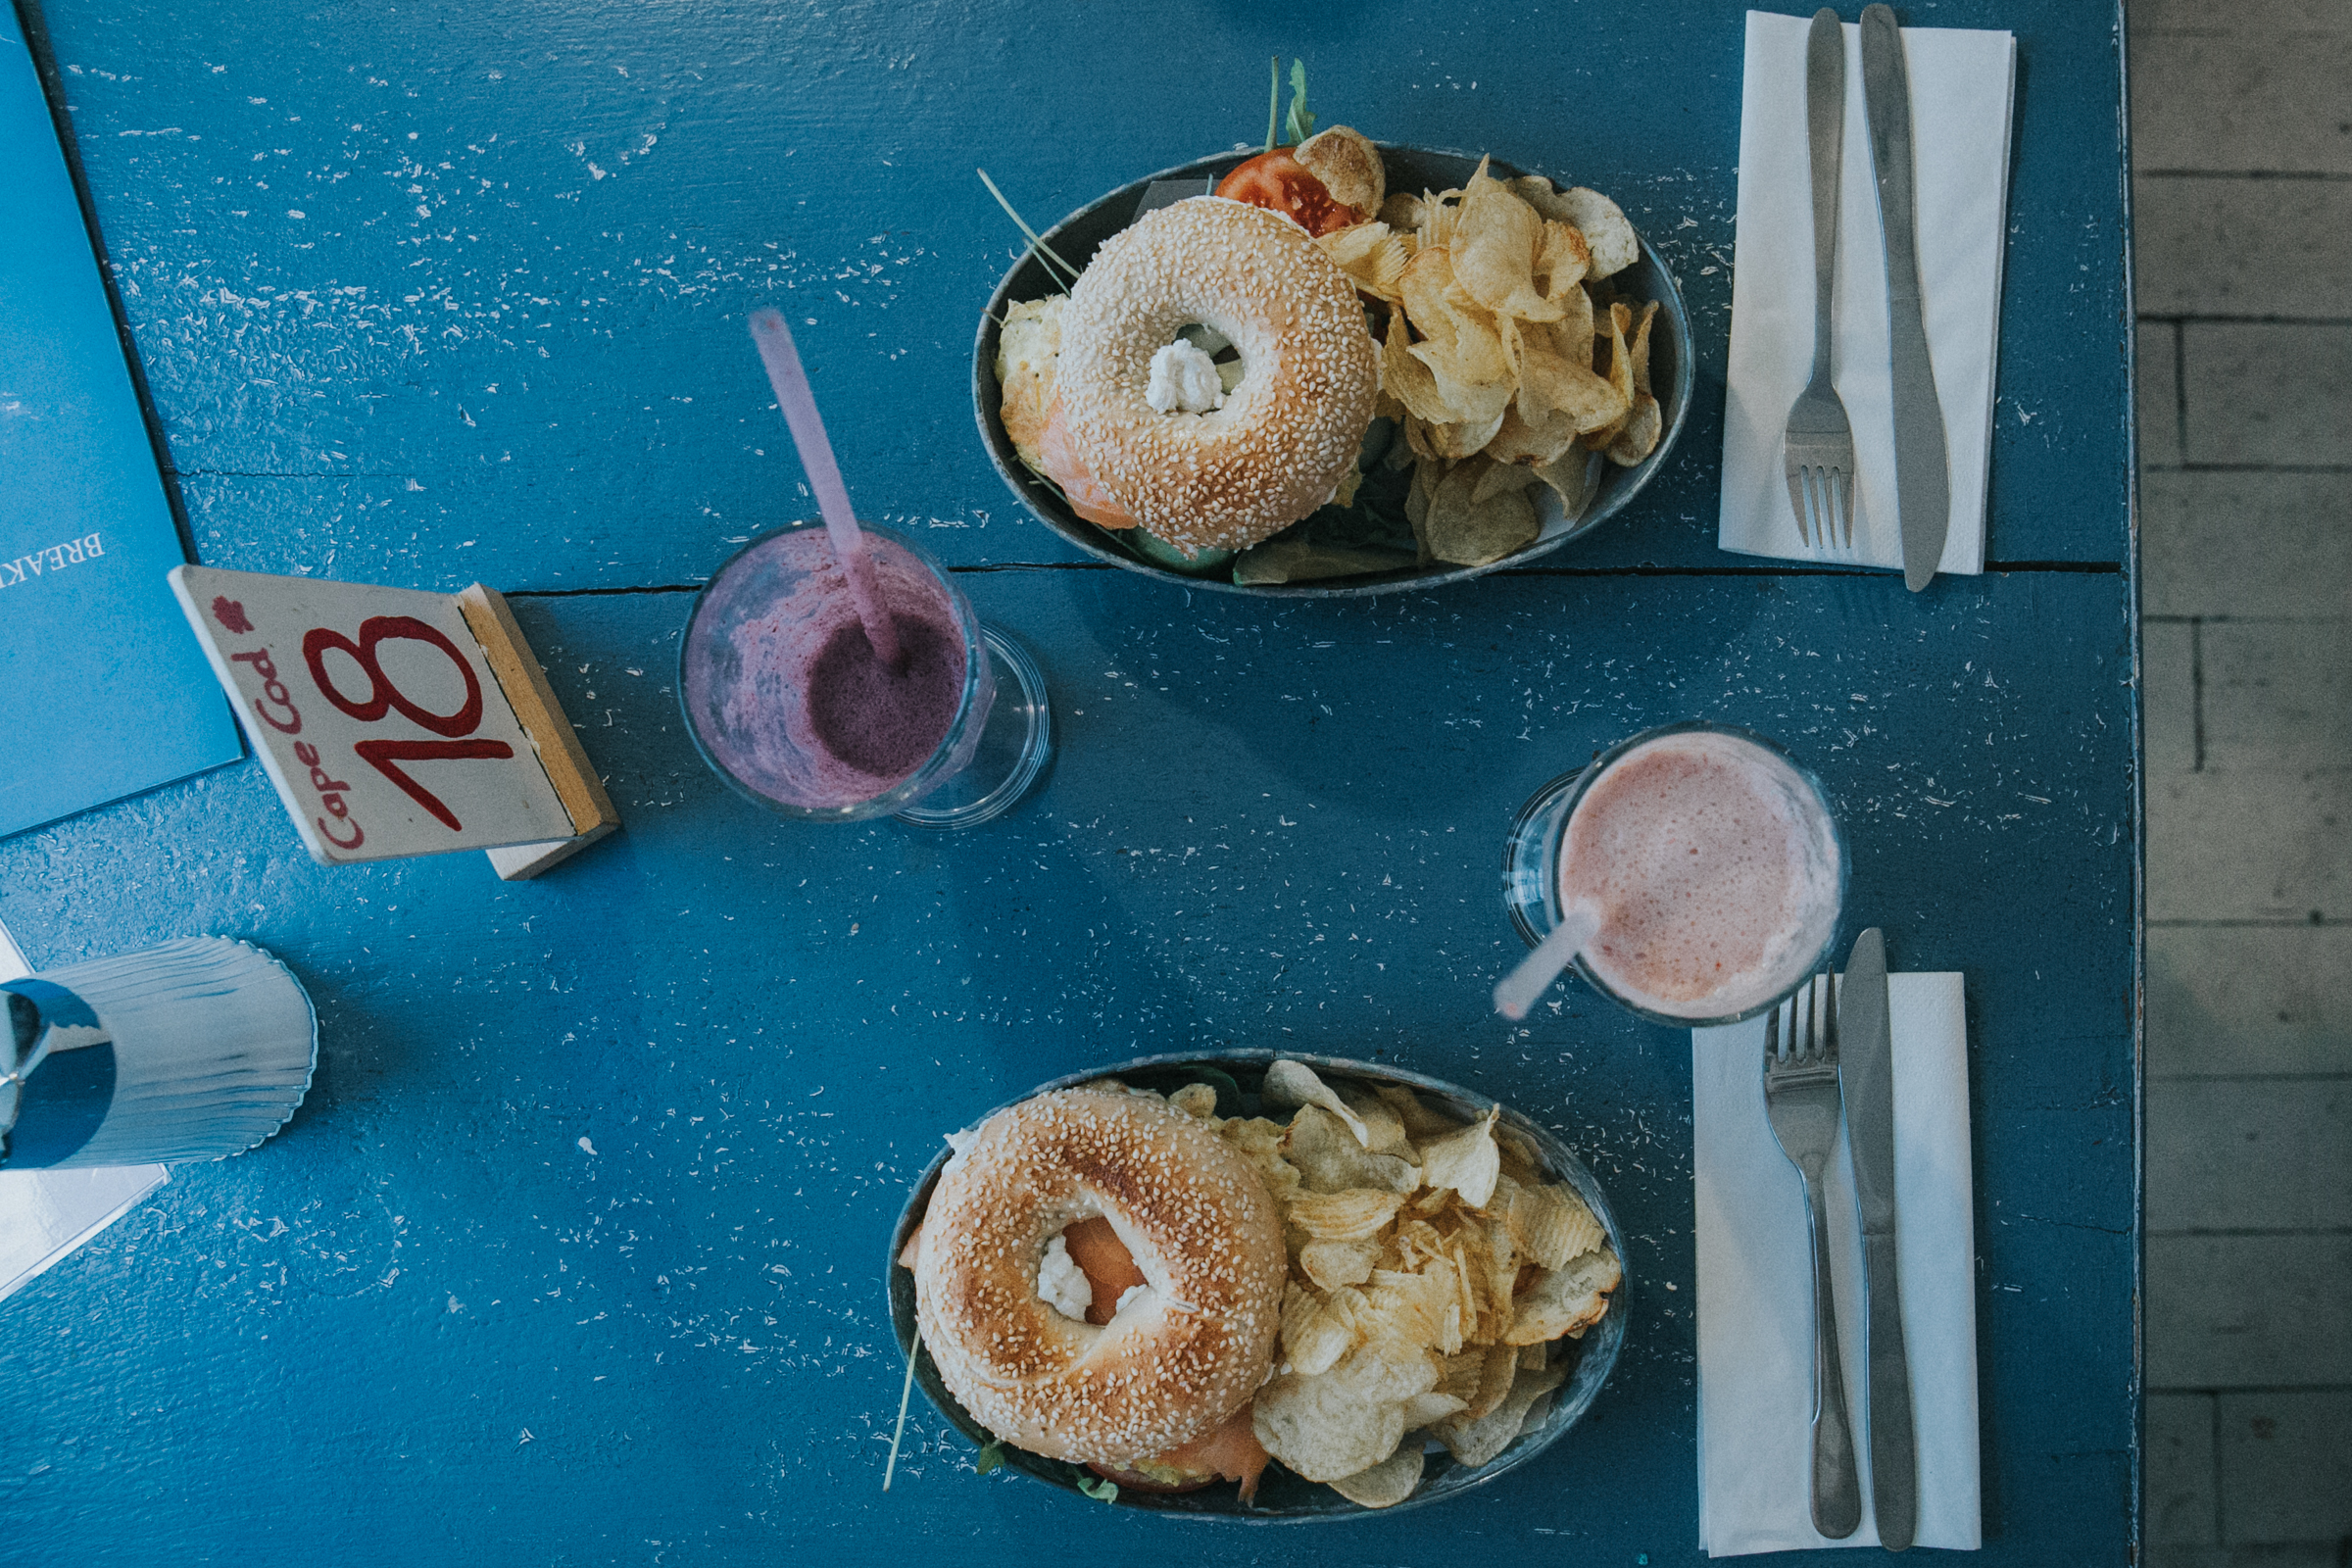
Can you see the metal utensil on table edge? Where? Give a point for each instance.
(1923, 478)
(1802, 1100)
(1817, 444)
(1868, 1069)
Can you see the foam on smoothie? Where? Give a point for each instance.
(1712, 867)
(785, 689)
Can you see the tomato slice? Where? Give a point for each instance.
(1281, 183)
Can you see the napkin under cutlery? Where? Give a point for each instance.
(1963, 83)
(1755, 1301)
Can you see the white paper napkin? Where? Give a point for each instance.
(1962, 86)
(1755, 1287)
(44, 1214)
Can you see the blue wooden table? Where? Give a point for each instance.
(574, 1253)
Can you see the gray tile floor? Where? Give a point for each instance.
(2242, 141)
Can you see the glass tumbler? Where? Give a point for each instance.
(782, 715)
(1536, 847)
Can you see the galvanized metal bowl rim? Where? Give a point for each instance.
(1622, 487)
(1600, 1348)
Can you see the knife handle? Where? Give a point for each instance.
(1893, 1456)
(1886, 109)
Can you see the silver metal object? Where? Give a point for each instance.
(1869, 1083)
(1923, 477)
(1802, 1097)
(1817, 448)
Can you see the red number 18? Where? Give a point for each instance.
(383, 697)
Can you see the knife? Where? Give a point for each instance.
(1923, 479)
(1866, 1049)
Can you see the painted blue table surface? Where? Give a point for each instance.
(574, 1253)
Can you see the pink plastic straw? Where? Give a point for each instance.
(791, 383)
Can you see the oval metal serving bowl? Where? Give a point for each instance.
(1284, 1498)
(1078, 236)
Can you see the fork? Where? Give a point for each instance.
(1803, 1099)
(1817, 449)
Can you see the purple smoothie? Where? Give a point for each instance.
(784, 690)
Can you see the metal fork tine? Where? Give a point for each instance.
(1771, 1035)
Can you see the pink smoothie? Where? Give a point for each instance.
(1713, 868)
(784, 690)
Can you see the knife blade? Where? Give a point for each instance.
(1923, 478)
(1865, 1049)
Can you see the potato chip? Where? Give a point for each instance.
(1388, 1483)
(1556, 376)
(1562, 262)
(1465, 439)
(1401, 211)
(1328, 1159)
(1520, 444)
(1474, 1443)
(1261, 1142)
(1352, 1215)
(1499, 478)
(1460, 1373)
(1567, 1300)
(1605, 227)
(1419, 1120)
(1435, 1406)
(1348, 164)
(1331, 1425)
(1468, 1162)
(1471, 534)
(1383, 1127)
(1534, 1357)
(1496, 240)
(1557, 1225)
(1332, 1264)
(1407, 1312)
(1315, 1334)
(1640, 344)
(1499, 1369)
(1198, 1100)
(1372, 255)
(1294, 1082)
(1637, 437)
(1324, 1429)
(1619, 321)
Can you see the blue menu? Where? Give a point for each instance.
(105, 692)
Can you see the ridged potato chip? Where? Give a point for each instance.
(1556, 1225)
(1352, 1215)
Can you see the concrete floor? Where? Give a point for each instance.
(2242, 129)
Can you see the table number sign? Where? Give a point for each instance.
(398, 722)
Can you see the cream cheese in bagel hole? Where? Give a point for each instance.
(1286, 435)
(1186, 1348)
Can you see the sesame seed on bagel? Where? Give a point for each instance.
(1287, 434)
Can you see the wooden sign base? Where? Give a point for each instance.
(542, 718)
